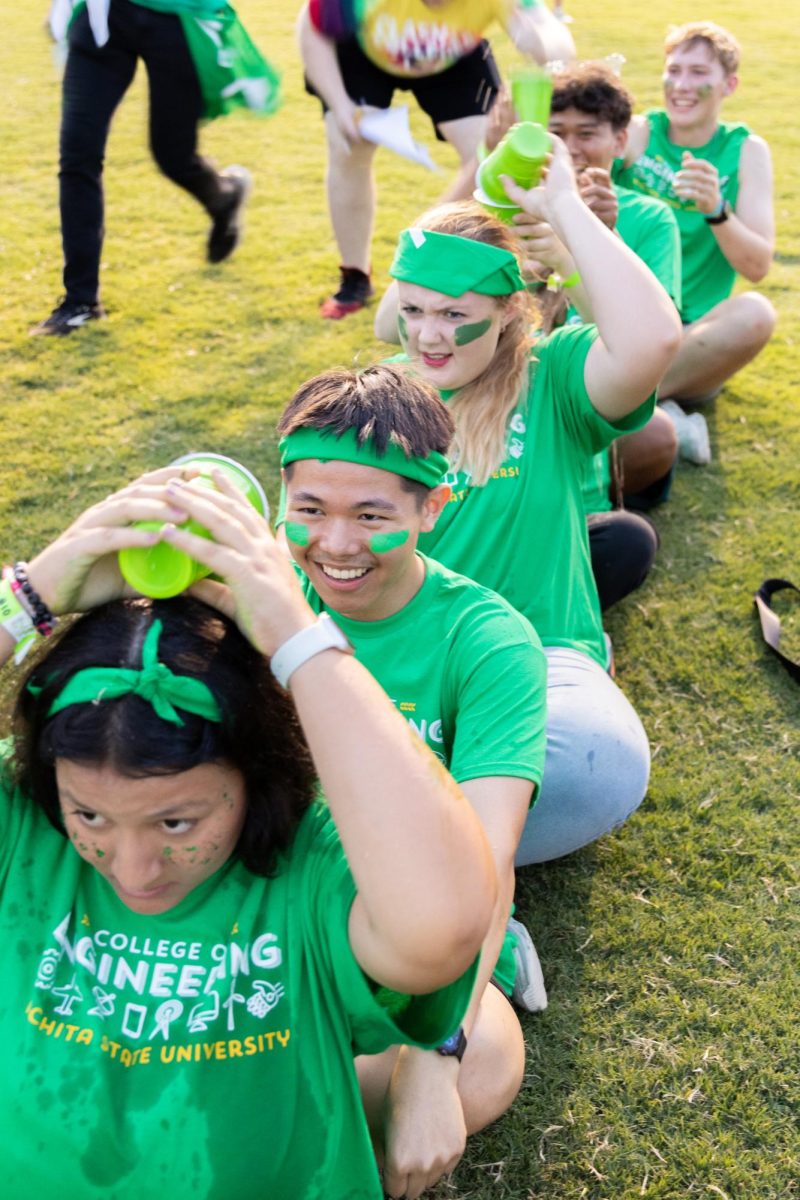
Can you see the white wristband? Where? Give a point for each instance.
(324, 634)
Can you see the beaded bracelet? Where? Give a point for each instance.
(43, 620)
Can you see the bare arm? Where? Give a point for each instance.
(630, 356)
(541, 36)
(747, 238)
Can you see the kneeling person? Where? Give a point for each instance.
(364, 458)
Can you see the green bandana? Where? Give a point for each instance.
(327, 446)
(454, 265)
(155, 683)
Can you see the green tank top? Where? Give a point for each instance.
(707, 276)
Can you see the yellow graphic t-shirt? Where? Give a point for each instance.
(410, 38)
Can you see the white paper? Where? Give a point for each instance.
(389, 127)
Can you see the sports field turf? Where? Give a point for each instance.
(667, 1063)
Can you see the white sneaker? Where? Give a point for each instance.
(529, 991)
(694, 444)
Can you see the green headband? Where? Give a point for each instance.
(326, 445)
(155, 683)
(453, 265)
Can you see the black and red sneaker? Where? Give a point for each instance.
(354, 291)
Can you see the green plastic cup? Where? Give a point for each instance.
(531, 93)
(162, 571)
(520, 155)
(503, 212)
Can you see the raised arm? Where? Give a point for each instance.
(639, 330)
(541, 36)
(78, 570)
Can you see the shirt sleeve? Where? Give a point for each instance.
(336, 19)
(562, 356)
(496, 684)
(660, 250)
(378, 1017)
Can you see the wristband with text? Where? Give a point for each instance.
(14, 619)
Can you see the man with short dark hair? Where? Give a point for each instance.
(717, 179)
(363, 459)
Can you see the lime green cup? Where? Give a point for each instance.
(162, 571)
(520, 155)
(504, 212)
(531, 93)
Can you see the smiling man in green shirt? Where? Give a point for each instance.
(716, 177)
(364, 462)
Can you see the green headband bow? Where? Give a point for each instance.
(326, 445)
(453, 265)
(155, 683)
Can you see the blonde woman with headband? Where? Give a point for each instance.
(525, 425)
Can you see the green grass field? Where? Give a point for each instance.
(667, 1063)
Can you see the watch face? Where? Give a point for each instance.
(455, 1045)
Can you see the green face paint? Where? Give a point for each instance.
(296, 532)
(470, 333)
(402, 328)
(382, 543)
(100, 853)
(704, 90)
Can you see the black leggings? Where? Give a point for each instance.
(623, 546)
(95, 80)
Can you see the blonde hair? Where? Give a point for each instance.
(481, 409)
(723, 45)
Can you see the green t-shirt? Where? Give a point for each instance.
(650, 230)
(707, 276)
(466, 671)
(202, 1054)
(524, 533)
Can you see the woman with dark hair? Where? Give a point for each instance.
(191, 954)
(527, 418)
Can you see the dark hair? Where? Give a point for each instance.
(259, 734)
(593, 88)
(383, 403)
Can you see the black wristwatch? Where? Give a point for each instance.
(455, 1045)
(720, 214)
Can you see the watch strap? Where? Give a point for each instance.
(455, 1045)
(720, 213)
(324, 634)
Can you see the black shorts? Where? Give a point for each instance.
(467, 89)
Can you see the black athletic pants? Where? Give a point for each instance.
(95, 80)
(623, 546)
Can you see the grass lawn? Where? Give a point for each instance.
(667, 1063)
